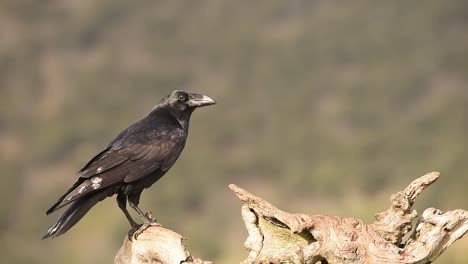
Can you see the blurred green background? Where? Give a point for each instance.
(323, 107)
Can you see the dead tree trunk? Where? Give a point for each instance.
(279, 237)
(276, 236)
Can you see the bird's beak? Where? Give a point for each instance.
(198, 100)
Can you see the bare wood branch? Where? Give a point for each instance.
(276, 236)
(395, 223)
(156, 245)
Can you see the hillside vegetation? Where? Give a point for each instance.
(320, 104)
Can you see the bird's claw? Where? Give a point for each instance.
(134, 233)
(148, 220)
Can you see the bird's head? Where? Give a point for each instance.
(185, 101)
(181, 104)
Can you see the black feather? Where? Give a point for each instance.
(74, 214)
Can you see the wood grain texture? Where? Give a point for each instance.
(276, 236)
(156, 245)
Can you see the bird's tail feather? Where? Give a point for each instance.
(54, 207)
(73, 214)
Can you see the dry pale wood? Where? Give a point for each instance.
(156, 245)
(276, 236)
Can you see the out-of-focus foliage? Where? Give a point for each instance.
(323, 107)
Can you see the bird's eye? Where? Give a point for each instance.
(182, 98)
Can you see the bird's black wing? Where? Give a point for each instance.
(124, 165)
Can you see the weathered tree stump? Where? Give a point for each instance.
(276, 236)
(156, 245)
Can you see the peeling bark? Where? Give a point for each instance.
(276, 236)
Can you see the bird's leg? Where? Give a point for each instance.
(148, 220)
(122, 202)
(143, 216)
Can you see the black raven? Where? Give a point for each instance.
(138, 157)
